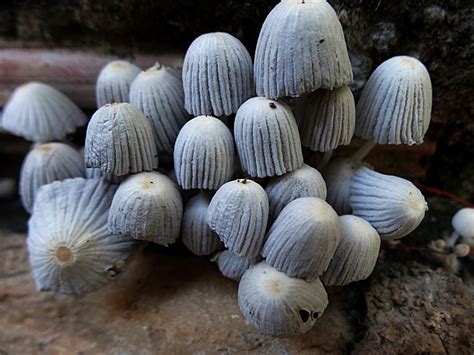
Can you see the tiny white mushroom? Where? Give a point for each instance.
(463, 224)
(233, 266)
(279, 305)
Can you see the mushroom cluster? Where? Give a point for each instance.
(237, 190)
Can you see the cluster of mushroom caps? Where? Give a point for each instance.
(268, 219)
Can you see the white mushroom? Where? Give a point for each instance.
(463, 224)
(233, 266)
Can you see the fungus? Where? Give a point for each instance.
(279, 305)
(238, 213)
(463, 224)
(95, 173)
(233, 266)
(70, 249)
(217, 75)
(147, 206)
(267, 138)
(40, 113)
(303, 238)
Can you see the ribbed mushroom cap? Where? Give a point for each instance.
(47, 163)
(463, 222)
(40, 113)
(356, 253)
(267, 138)
(147, 206)
(392, 205)
(238, 213)
(326, 118)
(70, 249)
(301, 48)
(114, 81)
(303, 182)
(158, 92)
(119, 140)
(279, 305)
(337, 175)
(196, 234)
(217, 75)
(395, 105)
(204, 154)
(303, 238)
(233, 266)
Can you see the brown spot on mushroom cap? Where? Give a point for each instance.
(63, 254)
(272, 104)
(147, 184)
(117, 65)
(44, 148)
(409, 62)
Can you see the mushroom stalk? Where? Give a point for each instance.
(451, 241)
(364, 151)
(325, 160)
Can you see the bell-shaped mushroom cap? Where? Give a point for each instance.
(119, 140)
(303, 182)
(392, 205)
(70, 249)
(158, 92)
(356, 253)
(326, 118)
(338, 174)
(303, 238)
(279, 305)
(114, 81)
(238, 213)
(233, 266)
(40, 113)
(267, 138)
(147, 206)
(204, 154)
(301, 48)
(217, 75)
(43, 165)
(196, 234)
(395, 105)
(463, 222)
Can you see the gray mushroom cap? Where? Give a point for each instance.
(463, 222)
(279, 305)
(233, 266)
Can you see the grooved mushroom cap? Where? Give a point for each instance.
(395, 105)
(267, 138)
(40, 113)
(233, 266)
(303, 238)
(238, 213)
(279, 305)
(119, 140)
(301, 48)
(392, 205)
(217, 75)
(196, 234)
(338, 174)
(158, 92)
(356, 253)
(114, 81)
(147, 206)
(463, 222)
(204, 154)
(70, 249)
(326, 118)
(303, 182)
(43, 165)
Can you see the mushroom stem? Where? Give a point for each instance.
(325, 160)
(451, 241)
(364, 151)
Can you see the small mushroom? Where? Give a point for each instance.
(356, 253)
(47, 163)
(40, 113)
(301, 48)
(147, 206)
(267, 138)
(120, 141)
(238, 213)
(196, 234)
(70, 249)
(303, 182)
(303, 238)
(392, 205)
(158, 92)
(279, 305)
(233, 266)
(217, 75)
(204, 154)
(114, 81)
(463, 224)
